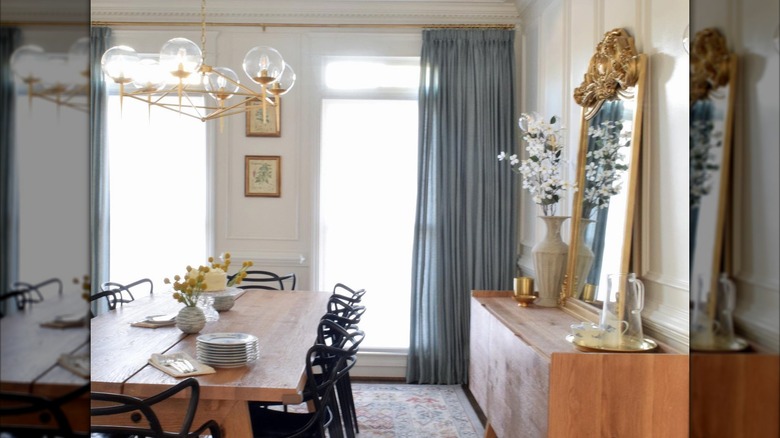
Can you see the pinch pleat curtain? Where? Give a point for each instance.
(98, 161)
(10, 38)
(467, 200)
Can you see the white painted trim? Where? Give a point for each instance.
(380, 364)
(251, 11)
(662, 280)
(270, 258)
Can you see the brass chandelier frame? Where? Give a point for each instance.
(269, 95)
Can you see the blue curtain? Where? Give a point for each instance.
(467, 202)
(10, 38)
(98, 161)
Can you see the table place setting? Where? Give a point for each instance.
(179, 365)
(67, 321)
(77, 364)
(155, 321)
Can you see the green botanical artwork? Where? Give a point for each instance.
(263, 173)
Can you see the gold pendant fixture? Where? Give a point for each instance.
(180, 71)
(60, 78)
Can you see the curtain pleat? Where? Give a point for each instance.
(98, 166)
(10, 38)
(467, 203)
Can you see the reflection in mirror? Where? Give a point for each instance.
(607, 168)
(606, 163)
(713, 75)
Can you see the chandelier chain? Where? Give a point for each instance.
(203, 30)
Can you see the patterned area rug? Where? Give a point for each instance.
(414, 411)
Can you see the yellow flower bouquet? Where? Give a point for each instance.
(239, 276)
(187, 290)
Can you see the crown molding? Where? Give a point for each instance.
(309, 12)
(49, 12)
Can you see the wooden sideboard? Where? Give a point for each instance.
(735, 395)
(530, 382)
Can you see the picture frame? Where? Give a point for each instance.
(259, 124)
(263, 175)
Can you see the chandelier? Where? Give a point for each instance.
(180, 70)
(60, 78)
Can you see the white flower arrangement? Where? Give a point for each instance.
(604, 165)
(541, 171)
(702, 160)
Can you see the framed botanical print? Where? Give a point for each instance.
(263, 175)
(264, 123)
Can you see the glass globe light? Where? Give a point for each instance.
(180, 57)
(149, 76)
(27, 62)
(119, 63)
(263, 65)
(78, 57)
(218, 85)
(284, 83)
(55, 73)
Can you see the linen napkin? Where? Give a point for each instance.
(154, 321)
(163, 363)
(66, 321)
(77, 364)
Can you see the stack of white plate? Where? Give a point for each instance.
(227, 350)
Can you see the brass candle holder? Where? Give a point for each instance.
(524, 291)
(589, 293)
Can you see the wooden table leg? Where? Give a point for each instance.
(237, 423)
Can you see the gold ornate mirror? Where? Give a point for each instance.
(611, 96)
(712, 97)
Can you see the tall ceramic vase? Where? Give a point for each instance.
(550, 261)
(584, 260)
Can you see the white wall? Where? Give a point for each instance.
(560, 36)
(748, 26)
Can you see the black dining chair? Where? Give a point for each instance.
(345, 309)
(18, 409)
(267, 280)
(348, 294)
(321, 360)
(19, 297)
(38, 288)
(142, 413)
(24, 294)
(124, 292)
(111, 299)
(332, 334)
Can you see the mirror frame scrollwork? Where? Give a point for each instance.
(616, 72)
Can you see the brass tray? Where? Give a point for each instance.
(647, 345)
(738, 344)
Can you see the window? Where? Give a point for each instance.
(368, 189)
(157, 177)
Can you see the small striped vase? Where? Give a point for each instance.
(190, 319)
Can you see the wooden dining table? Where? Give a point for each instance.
(30, 354)
(285, 323)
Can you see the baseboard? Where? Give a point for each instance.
(380, 365)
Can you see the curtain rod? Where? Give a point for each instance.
(311, 25)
